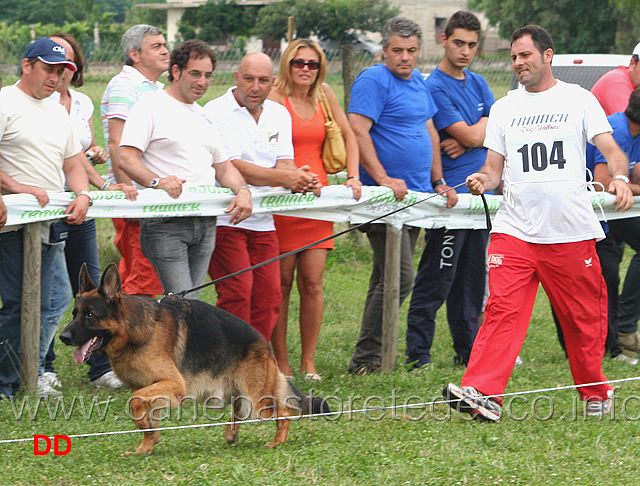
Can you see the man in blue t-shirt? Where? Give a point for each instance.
(452, 267)
(391, 114)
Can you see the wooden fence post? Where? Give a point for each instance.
(348, 72)
(291, 28)
(391, 302)
(30, 307)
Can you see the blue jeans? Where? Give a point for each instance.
(81, 247)
(59, 300)
(179, 249)
(52, 305)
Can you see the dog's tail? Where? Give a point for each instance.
(308, 403)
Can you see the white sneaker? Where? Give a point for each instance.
(469, 400)
(51, 378)
(623, 358)
(45, 389)
(519, 360)
(108, 380)
(599, 408)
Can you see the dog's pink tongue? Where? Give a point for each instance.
(80, 353)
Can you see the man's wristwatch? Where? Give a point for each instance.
(154, 183)
(622, 178)
(439, 182)
(86, 193)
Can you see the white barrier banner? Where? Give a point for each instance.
(336, 204)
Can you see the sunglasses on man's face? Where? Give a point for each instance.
(299, 63)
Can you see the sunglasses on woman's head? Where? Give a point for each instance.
(299, 63)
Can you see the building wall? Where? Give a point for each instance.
(431, 15)
(425, 13)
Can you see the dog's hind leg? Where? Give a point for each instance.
(243, 409)
(271, 407)
(147, 404)
(264, 390)
(282, 431)
(272, 404)
(231, 430)
(241, 406)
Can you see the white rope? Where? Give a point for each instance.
(326, 414)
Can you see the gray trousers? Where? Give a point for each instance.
(369, 345)
(179, 249)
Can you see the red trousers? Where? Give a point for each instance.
(137, 274)
(571, 275)
(253, 296)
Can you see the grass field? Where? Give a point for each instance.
(543, 438)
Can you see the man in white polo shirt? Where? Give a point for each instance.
(257, 135)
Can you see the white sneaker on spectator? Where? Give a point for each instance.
(626, 359)
(46, 390)
(108, 380)
(51, 378)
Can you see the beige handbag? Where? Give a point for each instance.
(334, 151)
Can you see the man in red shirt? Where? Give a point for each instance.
(614, 88)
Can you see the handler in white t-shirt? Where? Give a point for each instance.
(545, 231)
(168, 143)
(257, 137)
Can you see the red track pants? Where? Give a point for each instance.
(571, 275)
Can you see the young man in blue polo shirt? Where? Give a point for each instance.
(452, 267)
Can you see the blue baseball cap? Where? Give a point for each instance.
(49, 52)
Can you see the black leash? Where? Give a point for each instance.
(487, 215)
(352, 228)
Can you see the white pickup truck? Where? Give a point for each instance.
(583, 69)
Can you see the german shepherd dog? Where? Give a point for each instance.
(177, 348)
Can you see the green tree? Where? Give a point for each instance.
(217, 20)
(583, 26)
(60, 11)
(38, 11)
(135, 15)
(87, 7)
(117, 9)
(274, 18)
(338, 20)
(628, 30)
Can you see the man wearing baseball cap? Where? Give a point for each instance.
(37, 145)
(614, 88)
(49, 52)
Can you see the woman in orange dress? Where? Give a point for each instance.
(303, 68)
